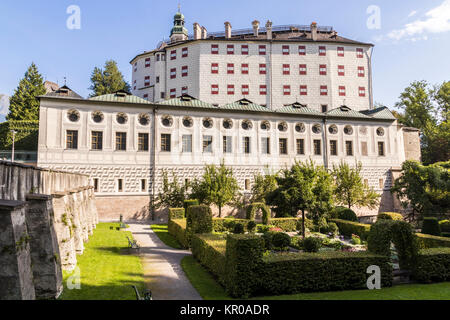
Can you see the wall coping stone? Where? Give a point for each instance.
(39, 197)
(11, 204)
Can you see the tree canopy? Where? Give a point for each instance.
(262, 186)
(173, 193)
(107, 80)
(23, 104)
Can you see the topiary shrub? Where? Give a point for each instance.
(238, 228)
(188, 203)
(311, 244)
(356, 240)
(268, 239)
(199, 220)
(347, 214)
(431, 226)
(176, 213)
(281, 241)
(347, 228)
(333, 229)
(445, 226)
(390, 216)
(177, 228)
(253, 209)
(251, 226)
(433, 265)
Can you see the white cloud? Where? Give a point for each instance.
(436, 20)
(4, 104)
(412, 14)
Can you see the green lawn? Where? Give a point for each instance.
(163, 234)
(209, 289)
(107, 268)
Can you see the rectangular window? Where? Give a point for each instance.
(214, 89)
(323, 90)
(341, 71)
(184, 71)
(214, 68)
(230, 68)
(214, 49)
(323, 69)
(317, 147)
(143, 142)
(283, 146)
(324, 108)
(163, 95)
(342, 91)
(302, 50)
(246, 145)
(286, 69)
(227, 144)
(207, 144)
(361, 72)
(381, 149)
(230, 49)
(263, 90)
(362, 91)
(173, 93)
(146, 96)
(96, 184)
(262, 50)
(333, 148)
(173, 73)
(230, 89)
(158, 57)
(121, 141)
(166, 143)
(247, 184)
(173, 55)
(147, 81)
(364, 149)
(120, 185)
(184, 52)
(300, 146)
(262, 68)
(381, 183)
(322, 51)
(349, 148)
(184, 91)
(244, 68)
(245, 90)
(285, 50)
(303, 69)
(265, 145)
(359, 53)
(244, 49)
(187, 143)
(287, 90)
(143, 185)
(72, 139)
(147, 62)
(157, 79)
(303, 90)
(97, 140)
(340, 51)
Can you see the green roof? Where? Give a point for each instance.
(380, 113)
(346, 112)
(245, 105)
(120, 96)
(186, 101)
(298, 108)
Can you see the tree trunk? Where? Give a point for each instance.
(220, 211)
(303, 225)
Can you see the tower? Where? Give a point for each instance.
(179, 32)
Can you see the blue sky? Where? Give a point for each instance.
(411, 44)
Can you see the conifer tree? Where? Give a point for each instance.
(107, 80)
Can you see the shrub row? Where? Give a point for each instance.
(177, 228)
(427, 241)
(209, 250)
(224, 224)
(445, 226)
(176, 213)
(390, 216)
(254, 207)
(199, 220)
(433, 265)
(347, 228)
(290, 224)
(431, 226)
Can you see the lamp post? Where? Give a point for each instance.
(13, 141)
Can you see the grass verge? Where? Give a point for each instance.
(163, 234)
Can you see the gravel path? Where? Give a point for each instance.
(162, 270)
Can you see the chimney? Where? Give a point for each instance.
(227, 30)
(269, 29)
(255, 28)
(197, 31)
(204, 33)
(314, 31)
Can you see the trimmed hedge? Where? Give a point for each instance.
(254, 207)
(176, 213)
(177, 228)
(431, 226)
(427, 241)
(188, 203)
(326, 271)
(347, 228)
(445, 226)
(390, 216)
(209, 250)
(433, 265)
(343, 213)
(290, 224)
(199, 220)
(224, 224)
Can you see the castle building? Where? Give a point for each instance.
(183, 114)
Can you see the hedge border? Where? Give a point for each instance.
(177, 228)
(347, 228)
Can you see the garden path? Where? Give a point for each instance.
(162, 266)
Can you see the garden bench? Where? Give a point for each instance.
(133, 244)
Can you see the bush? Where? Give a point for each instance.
(263, 228)
(281, 241)
(209, 250)
(251, 226)
(238, 228)
(445, 234)
(290, 224)
(347, 228)
(291, 273)
(445, 226)
(426, 241)
(343, 213)
(311, 244)
(390, 216)
(433, 265)
(254, 207)
(199, 220)
(431, 226)
(189, 203)
(227, 224)
(176, 213)
(333, 228)
(268, 239)
(322, 225)
(177, 228)
(356, 240)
